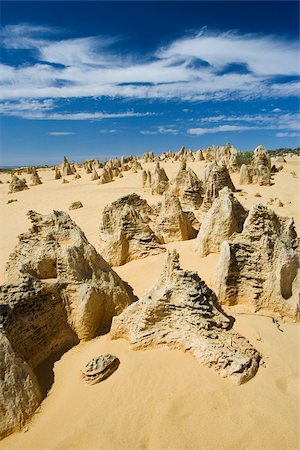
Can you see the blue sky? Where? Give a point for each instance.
(94, 79)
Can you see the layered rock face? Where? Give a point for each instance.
(125, 234)
(181, 312)
(172, 224)
(56, 248)
(20, 393)
(16, 185)
(59, 290)
(225, 217)
(187, 186)
(216, 178)
(259, 268)
(261, 166)
(66, 167)
(245, 175)
(35, 178)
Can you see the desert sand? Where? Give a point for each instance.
(160, 399)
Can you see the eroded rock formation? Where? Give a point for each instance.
(181, 312)
(172, 224)
(187, 186)
(100, 368)
(259, 268)
(16, 185)
(225, 217)
(216, 178)
(125, 233)
(59, 290)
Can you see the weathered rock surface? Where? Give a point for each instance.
(35, 178)
(225, 217)
(100, 368)
(124, 231)
(216, 178)
(245, 175)
(187, 186)
(66, 167)
(261, 166)
(16, 185)
(59, 290)
(172, 224)
(259, 268)
(181, 312)
(75, 205)
(19, 389)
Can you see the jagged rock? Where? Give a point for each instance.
(257, 194)
(57, 174)
(65, 181)
(100, 368)
(172, 224)
(199, 156)
(281, 159)
(181, 312)
(105, 177)
(245, 176)
(259, 268)
(66, 168)
(124, 232)
(35, 179)
(94, 176)
(217, 177)
(59, 290)
(262, 166)
(16, 185)
(12, 201)
(159, 181)
(77, 176)
(187, 186)
(225, 217)
(20, 393)
(278, 203)
(56, 249)
(75, 205)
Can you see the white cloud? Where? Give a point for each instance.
(41, 110)
(161, 130)
(89, 67)
(111, 131)
(286, 134)
(219, 129)
(276, 110)
(60, 133)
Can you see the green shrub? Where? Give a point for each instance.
(244, 158)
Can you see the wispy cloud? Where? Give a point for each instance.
(41, 110)
(204, 66)
(287, 134)
(60, 133)
(219, 129)
(161, 130)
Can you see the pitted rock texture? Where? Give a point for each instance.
(125, 234)
(20, 393)
(187, 186)
(181, 312)
(172, 224)
(100, 368)
(16, 185)
(216, 177)
(75, 205)
(59, 290)
(35, 178)
(245, 175)
(259, 268)
(56, 248)
(225, 217)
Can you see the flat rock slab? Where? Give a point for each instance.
(99, 368)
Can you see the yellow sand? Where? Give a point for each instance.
(160, 399)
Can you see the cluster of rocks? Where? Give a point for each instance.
(259, 171)
(181, 312)
(17, 184)
(131, 229)
(58, 291)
